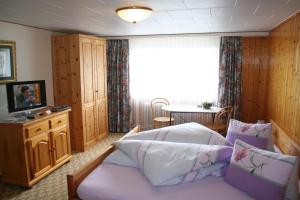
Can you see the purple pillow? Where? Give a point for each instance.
(262, 174)
(258, 135)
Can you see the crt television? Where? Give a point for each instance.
(26, 95)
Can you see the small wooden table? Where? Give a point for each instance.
(190, 109)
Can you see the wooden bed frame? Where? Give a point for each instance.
(280, 138)
(75, 179)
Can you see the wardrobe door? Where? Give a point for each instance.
(100, 85)
(88, 91)
(101, 118)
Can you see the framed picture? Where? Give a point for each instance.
(7, 61)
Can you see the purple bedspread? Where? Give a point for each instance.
(113, 182)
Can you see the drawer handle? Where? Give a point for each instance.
(62, 133)
(58, 122)
(37, 130)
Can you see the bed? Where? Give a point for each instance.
(99, 180)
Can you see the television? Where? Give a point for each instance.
(26, 95)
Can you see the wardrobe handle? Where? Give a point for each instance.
(43, 142)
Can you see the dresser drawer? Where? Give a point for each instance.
(37, 129)
(58, 121)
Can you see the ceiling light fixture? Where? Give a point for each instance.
(134, 14)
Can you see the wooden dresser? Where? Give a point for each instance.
(31, 149)
(79, 77)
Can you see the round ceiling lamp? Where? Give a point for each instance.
(134, 14)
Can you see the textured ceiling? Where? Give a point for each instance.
(169, 16)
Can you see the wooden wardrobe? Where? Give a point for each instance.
(79, 76)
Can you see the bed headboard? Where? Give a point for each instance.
(284, 142)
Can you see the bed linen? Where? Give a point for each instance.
(113, 182)
(185, 133)
(172, 155)
(170, 163)
(262, 174)
(258, 135)
(193, 133)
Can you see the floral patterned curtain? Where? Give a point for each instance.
(230, 73)
(118, 86)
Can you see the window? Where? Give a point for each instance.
(182, 69)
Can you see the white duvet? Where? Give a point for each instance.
(173, 155)
(184, 133)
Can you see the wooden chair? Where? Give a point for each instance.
(221, 121)
(160, 117)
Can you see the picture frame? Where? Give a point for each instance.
(7, 61)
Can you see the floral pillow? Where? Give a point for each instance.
(262, 174)
(258, 135)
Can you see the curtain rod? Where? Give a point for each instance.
(248, 34)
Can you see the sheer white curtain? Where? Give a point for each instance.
(182, 69)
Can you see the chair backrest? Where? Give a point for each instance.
(156, 105)
(224, 115)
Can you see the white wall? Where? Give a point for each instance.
(33, 49)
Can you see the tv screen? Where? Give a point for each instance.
(26, 95)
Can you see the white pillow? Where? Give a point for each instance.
(258, 135)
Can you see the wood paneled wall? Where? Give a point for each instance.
(254, 78)
(271, 77)
(283, 103)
